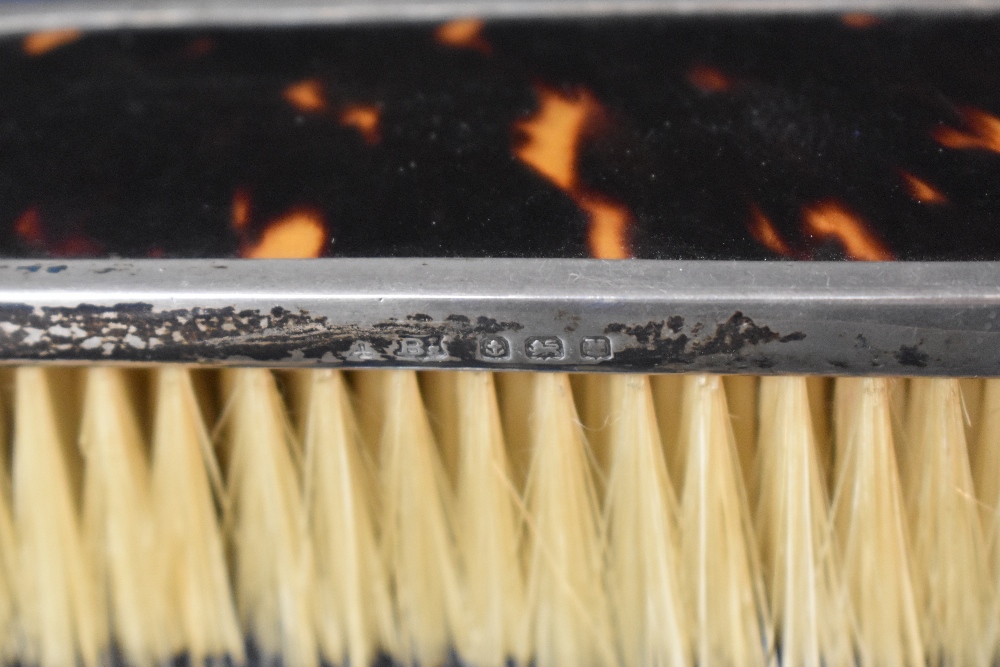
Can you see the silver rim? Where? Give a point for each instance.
(644, 316)
(23, 17)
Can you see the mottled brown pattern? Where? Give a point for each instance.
(731, 138)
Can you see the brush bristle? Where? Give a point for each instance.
(488, 528)
(493, 519)
(418, 543)
(187, 496)
(353, 611)
(985, 464)
(641, 515)
(952, 579)
(567, 615)
(808, 601)
(59, 615)
(871, 528)
(9, 570)
(118, 522)
(725, 595)
(273, 566)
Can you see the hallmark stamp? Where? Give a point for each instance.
(361, 351)
(494, 347)
(541, 348)
(596, 348)
(423, 348)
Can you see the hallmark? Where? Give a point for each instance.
(597, 348)
(494, 348)
(542, 348)
(424, 348)
(362, 351)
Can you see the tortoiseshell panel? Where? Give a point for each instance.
(722, 138)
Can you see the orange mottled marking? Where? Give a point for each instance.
(306, 96)
(28, 227)
(300, 233)
(463, 34)
(366, 119)
(241, 209)
(922, 191)
(608, 230)
(764, 232)
(982, 132)
(551, 145)
(40, 43)
(832, 220)
(76, 245)
(552, 135)
(860, 21)
(709, 79)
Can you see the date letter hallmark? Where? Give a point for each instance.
(494, 348)
(543, 348)
(426, 348)
(596, 348)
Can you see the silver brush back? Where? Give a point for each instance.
(906, 318)
(21, 17)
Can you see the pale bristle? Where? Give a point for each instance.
(368, 407)
(668, 399)
(516, 394)
(567, 616)
(951, 573)
(353, 611)
(9, 570)
(439, 391)
(985, 454)
(985, 467)
(869, 517)
(487, 528)
(899, 395)
(642, 534)
(808, 602)
(820, 396)
(725, 598)
(741, 397)
(273, 560)
(119, 526)
(846, 397)
(497, 519)
(593, 397)
(986, 480)
(911, 459)
(972, 390)
(56, 598)
(191, 552)
(417, 536)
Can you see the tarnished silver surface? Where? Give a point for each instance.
(653, 316)
(22, 17)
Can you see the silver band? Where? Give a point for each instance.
(23, 17)
(650, 316)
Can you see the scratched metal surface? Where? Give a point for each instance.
(18, 16)
(710, 137)
(894, 318)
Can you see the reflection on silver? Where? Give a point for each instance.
(23, 17)
(905, 318)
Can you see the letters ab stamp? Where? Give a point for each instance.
(426, 348)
